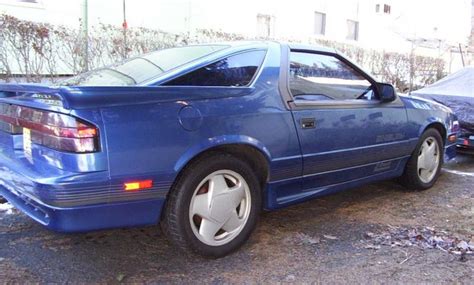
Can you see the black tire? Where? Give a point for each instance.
(411, 177)
(175, 221)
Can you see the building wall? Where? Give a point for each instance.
(471, 43)
(409, 21)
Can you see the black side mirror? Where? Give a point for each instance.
(386, 92)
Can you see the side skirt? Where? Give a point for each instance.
(287, 192)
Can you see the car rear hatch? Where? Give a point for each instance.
(45, 145)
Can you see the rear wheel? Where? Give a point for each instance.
(213, 207)
(424, 166)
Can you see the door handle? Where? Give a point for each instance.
(308, 123)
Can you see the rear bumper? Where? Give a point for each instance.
(86, 218)
(73, 201)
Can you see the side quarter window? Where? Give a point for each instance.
(324, 77)
(234, 71)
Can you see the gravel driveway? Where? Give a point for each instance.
(377, 233)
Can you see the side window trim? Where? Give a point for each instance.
(251, 83)
(349, 104)
(292, 103)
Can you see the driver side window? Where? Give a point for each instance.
(324, 77)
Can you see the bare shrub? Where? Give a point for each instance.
(38, 50)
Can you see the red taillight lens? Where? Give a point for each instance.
(50, 129)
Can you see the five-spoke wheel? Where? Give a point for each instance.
(220, 207)
(423, 167)
(428, 159)
(214, 205)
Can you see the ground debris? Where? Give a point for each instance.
(305, 239)
(372, 246)
(120, 277)
(424, 238)
(330, 237)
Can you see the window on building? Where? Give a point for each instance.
(265, 25)
(386, 9)
(319, 23)
(324, 77)
(352, 30)
(237, 70)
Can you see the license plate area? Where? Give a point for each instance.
(27, 149)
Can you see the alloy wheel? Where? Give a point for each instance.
(220, 207)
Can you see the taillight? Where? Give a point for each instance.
(49, 129)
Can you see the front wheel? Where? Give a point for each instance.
(424, 166)
(214, 206)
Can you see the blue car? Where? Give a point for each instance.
(202, 138)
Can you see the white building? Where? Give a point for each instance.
(427, 27)
(471, 40)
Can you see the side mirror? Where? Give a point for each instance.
(386, 92)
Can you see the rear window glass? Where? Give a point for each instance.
(236, 70)
(142, 68)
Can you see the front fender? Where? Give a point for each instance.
(213, 142)
(433, 120)
(423, 113)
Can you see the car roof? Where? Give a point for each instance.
(260, 43)
(315, 48)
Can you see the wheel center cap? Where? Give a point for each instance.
(221, 208)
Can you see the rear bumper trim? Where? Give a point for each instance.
(87, 218)
(26, 205)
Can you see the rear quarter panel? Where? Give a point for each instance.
(156, 140)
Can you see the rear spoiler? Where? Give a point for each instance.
(30, 94)
(82, 97)
(20, 88)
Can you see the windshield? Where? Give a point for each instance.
(142, 68)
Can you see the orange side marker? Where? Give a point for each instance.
(138, 185)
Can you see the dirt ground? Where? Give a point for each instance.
(328, 240)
